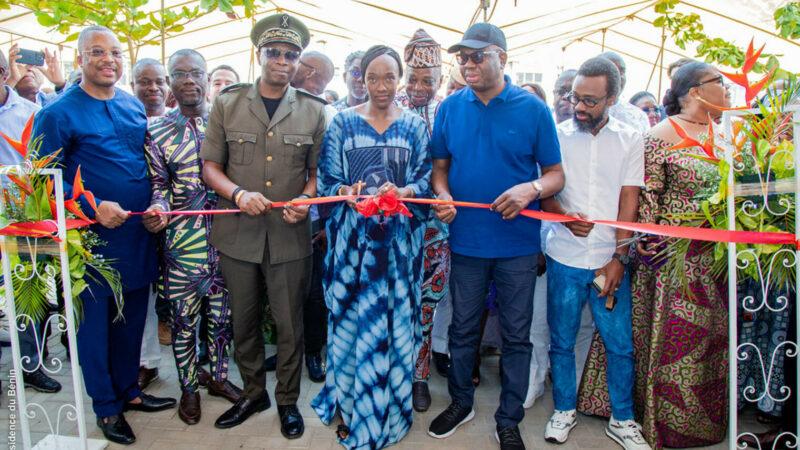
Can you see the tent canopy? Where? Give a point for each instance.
(543, 38)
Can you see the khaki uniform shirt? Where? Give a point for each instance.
(272, 157)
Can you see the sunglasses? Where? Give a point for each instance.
(588, 101)
(274, 53)
(654, 110)
(476, 57)
(720, 79)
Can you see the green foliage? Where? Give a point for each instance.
(36, 261)
(687, 30)
(787, 20)
(131, 20)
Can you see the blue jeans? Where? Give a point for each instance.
(569, 289)
(515, 279)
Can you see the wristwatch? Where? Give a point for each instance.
(623, 258)
(538, 186)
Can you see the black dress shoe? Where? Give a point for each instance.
(117, 430)
(291, 421)
(150, 403)
(146, 377)
(41, 382)
(271, 363)
(442, 363)
(316, 369)
(242, 410)
(420, 396)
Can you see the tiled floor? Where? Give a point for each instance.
(165, 430)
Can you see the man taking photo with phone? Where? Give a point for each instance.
(603, 162)
(27, 73)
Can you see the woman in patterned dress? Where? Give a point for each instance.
(680, 334)
(373, 269)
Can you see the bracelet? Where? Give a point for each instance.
(237, 194)
(303, 195)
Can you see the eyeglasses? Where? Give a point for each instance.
(355, 72)
(274, 53)
(653, 109)
(194, 74)
(720, 79)
(476, 57)
(562, 92)
(588, 101)
(98, 53)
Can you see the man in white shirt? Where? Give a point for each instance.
(622, 110)
(604, 169)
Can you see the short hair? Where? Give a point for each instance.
(358, 54)
(322, 57)
(616, 59)
(184, 52)
(377, 51)
(675, 65)
(334, 95)
(640, 95)
(569, 73)
(602, 67)
(224, 67)
(141, 64)
(537, 90)
(88, 31)
(3, 61)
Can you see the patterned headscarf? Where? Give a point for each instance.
(422, 51)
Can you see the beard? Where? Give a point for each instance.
(589, 124)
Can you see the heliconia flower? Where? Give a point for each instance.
(750, 59)
(21, 146)
(689, 142)
(77, 190)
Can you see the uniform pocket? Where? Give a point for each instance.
(297, 147)
(241, 146)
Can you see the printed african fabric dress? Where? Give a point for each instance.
(680, 337)
(436, 254)
(372, 279)
(190, 280)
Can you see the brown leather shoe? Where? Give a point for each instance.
(203, 377)
(224, 389)
(164, 333)
(146, 377)
(189, 409)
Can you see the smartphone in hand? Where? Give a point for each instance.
(30, 57)
(598, 283)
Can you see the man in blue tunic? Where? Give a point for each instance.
(101, 129)
(488, 143)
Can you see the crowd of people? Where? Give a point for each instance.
(386, 296)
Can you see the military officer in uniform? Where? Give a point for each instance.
(261, 145)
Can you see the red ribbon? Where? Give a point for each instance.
(389, 205)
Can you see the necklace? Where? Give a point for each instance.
(692, 121)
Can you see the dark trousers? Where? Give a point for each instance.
(109, 350)
(515, 279)
(286, 286)
(315, 313)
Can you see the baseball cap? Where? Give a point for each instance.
(481, 35)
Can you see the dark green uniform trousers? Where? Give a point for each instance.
(286, 286)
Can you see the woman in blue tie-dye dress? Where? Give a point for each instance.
(373, 268)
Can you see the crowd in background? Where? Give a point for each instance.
(368, 304)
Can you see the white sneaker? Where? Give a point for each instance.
(560, 424)
(627, 433)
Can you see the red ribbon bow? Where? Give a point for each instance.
(385, 204)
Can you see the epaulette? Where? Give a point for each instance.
(309, 94)
(235, 87)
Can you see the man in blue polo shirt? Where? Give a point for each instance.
(488, 144)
